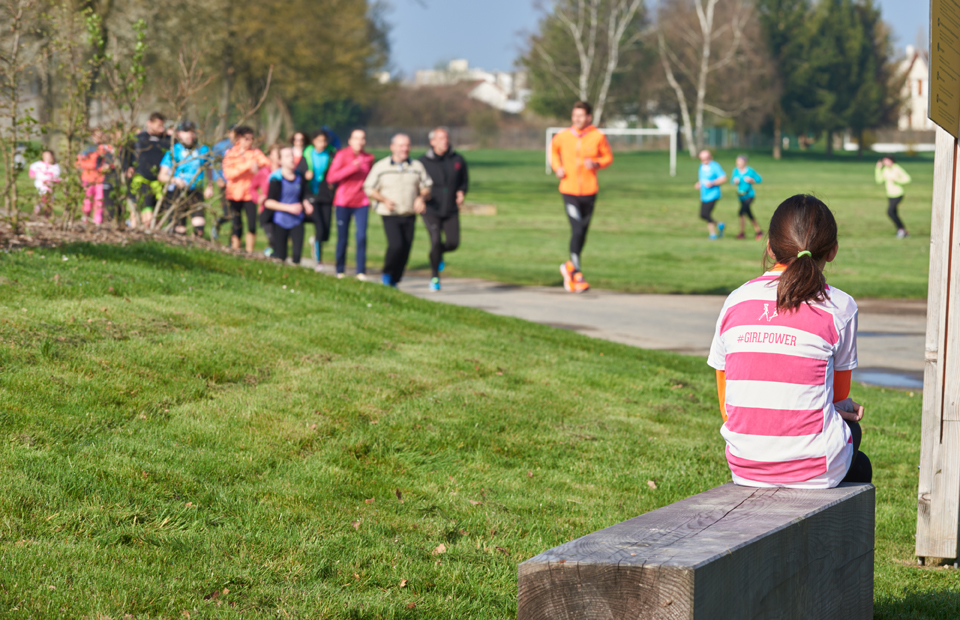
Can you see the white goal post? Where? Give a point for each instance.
(672, 134)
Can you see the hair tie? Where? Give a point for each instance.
(804, 252)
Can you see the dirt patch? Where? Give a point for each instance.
(42, 234)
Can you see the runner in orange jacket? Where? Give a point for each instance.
(576, 155)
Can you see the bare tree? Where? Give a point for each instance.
(599, 31)
(707, 54)
(17, 17)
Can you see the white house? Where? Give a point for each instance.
(503, 90)
(913, 115)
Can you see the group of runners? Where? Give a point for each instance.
(305, 181)
(577, 153)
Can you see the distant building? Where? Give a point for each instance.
(913, 114)
(503, 90)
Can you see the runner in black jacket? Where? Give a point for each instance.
(448, 170)
(143, 163)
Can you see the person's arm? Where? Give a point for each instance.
(374, 194)
(273, 200)
(233, 167)
(166, 164)
(464, 183)
(878, 175)
(339, 169)
(605, 154)
(735, 177)
(903, 178)
(722, 392)
(556, 163)
(757, 179)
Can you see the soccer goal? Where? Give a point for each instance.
(610, 131)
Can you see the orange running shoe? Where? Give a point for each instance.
(567, 270)
(578, 284)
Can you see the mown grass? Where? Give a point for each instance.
(181, 433)
(646, 235)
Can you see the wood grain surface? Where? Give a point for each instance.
(730, 552)
(938, 497)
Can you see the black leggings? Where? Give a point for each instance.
(444, 237)
(579, 212)
(860, 468)
(745, 210)
(400, 230)
(892, 212)
(280, 237)
(706, 211)
(247, 207)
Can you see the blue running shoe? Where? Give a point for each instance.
(720, 228)
(434, 285)
(713, 237)
(442, 265)
(386, 280)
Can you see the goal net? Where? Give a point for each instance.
(610, 131)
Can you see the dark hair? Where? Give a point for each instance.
(294, 135)
(800, 224)
(890, 157)
(242, 131)
(156, 116)
(54, 155)
(318, 133)
(583, 105)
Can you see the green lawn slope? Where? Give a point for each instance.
(191, 433)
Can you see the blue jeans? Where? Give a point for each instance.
(343, 232)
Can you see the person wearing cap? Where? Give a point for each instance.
(186, 172)
(142, 161)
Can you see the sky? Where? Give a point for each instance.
(489, 33)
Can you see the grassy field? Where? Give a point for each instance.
(646, 235)
(193, 434)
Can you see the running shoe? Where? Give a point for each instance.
(720, 228)
(902, 234)
(340, 276)
(578, 284)
(385, 279)
(758, 236)
(319, 268)
(442, 265)
(567, 270)
(713, 237)
(268, 252)
(741, 236)
(434, 285)
(362, 277)
(214, 233)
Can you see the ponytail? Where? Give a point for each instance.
(803, 232)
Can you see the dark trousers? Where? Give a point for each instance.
(444, 237)
(399, 230)
(280, 237)
(706, 211)
(579, 211)
(860, 468)
(322, 218)
(239, 208)
(343, 231)
(892, 207)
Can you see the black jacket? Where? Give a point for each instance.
(449, 174)
(146, 154)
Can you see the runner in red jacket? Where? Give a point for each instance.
(348, 171)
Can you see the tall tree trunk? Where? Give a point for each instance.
(777, 134)
(226, 91)
(830, 143)
(860, 144)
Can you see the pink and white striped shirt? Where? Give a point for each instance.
(782, 429)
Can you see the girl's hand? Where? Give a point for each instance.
(849, 410)
(308, 176)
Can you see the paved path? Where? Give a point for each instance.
(890, 340)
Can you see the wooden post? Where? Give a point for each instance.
(938, 511)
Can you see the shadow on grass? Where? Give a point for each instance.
(919, 605)
(155, 253)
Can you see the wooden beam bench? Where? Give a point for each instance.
(730, 552)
